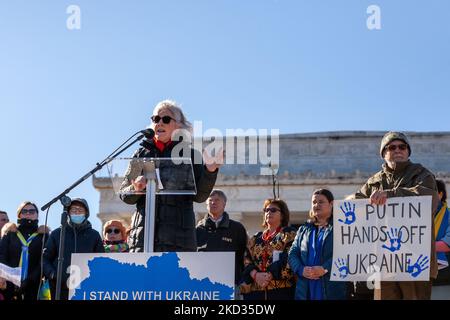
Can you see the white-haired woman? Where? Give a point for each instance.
(175, 218)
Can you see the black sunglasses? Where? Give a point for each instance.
(165, 119)
(393, 147)
(116, 231)
(29, 211)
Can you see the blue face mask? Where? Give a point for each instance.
(77, 219)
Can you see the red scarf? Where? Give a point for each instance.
(161, 145)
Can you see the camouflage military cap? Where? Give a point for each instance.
(391, 136)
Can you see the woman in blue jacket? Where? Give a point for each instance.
(311, 254)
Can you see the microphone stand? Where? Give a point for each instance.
(65, 201)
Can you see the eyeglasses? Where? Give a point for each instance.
(393, 147)
(165, 119)
(4, 220)
(273, 210)
(77, 210)
(115, 231)
(28, 211)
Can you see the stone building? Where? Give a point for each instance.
(340, 161)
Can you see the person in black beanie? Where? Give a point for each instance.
(21, 246)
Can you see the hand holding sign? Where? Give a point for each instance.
(378, 198)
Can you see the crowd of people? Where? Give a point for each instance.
(280, 262)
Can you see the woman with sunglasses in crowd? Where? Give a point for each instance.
(21, 246)
(311, 254)
(267, 275)
(174, 214)
(114, 237)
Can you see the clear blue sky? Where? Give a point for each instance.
(69, 97)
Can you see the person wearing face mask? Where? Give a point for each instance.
(115, 237)
(79, 238)
(311, 254)
(21, 246)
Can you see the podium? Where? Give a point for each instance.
(152, 275)
(165, 176)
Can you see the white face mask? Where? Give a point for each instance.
(78, 218)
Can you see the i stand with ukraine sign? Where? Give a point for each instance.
(390, 242)
(152, 276)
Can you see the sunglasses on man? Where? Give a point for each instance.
(393, 147)
(165, 119)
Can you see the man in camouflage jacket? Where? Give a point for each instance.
(400, 177)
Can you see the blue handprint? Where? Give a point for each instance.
(395, 239)
(342, 268)
(418, 267)
(349, 213)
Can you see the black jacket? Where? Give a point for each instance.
(10, 251)
(230, 235)
(79, 239)
(174, 218)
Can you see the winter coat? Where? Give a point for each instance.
(78, 239)
(229, 235)
(408, 179)
(174, 214)
(298, 258)
(10, 252)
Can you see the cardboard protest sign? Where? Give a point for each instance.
(387, 243)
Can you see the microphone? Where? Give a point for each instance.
(148, 133)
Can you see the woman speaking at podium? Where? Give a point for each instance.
(174, 214)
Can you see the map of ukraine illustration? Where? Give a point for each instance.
(162, 274)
